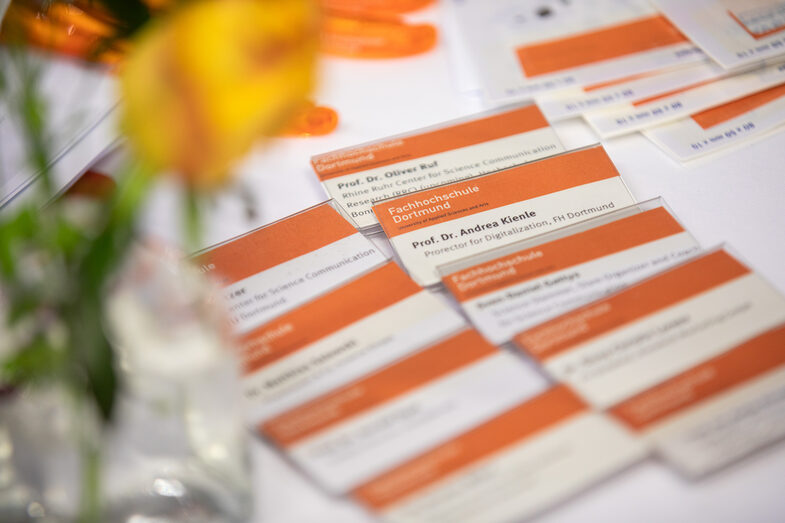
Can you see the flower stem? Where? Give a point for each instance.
(90, 507)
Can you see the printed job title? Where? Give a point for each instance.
(426, 206)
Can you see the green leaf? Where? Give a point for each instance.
(68, 237)
(92, 356)
(22, 304)
(102, 378)
(36, 362)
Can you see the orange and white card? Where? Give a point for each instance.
(671, 106)
(511, 467)
(440, 225)
(618, 347)
(356, 432)
(574, 101)
(524, 48)
(514, 288)
(722, 127)
(357, 176)
(735, 33)
(275, 268)
(718, 411)
(353, 330)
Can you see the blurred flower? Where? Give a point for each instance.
(63, 28)
(203, 83)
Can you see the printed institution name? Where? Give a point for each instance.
(434, 204)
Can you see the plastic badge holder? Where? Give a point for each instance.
(276, 267)
(690, 359)
(441, 224)
(358, 176)
(514, 287)
(735, 33)
(524, 48)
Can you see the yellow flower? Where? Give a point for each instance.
(203, 83)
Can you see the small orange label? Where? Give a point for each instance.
(312, 120)
(313, 321)
(506, 187)
(276, 243)
(737, 366)
(523, 421)
(596, 46)
(377, 6)
(354, 34)
(695, 277)
(357, 159)
(720, 114)
(560, 254)
(392, 382)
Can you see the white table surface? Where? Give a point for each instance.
(735, 198)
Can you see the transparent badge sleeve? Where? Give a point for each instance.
(574, 102)
(725, 406)
(525, 48)
(632, 117)
(722, 128)
(358, 176)
(735, 33)
(690, 359)
(353, 433)
(339, 336)
(439, 225)
(514, 287)
(535, 455)
(276, 267)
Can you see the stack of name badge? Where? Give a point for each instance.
(507, 290)
(350, 367)
(275, 268)
(358, 176)
(644, 336)
(316, 305)
(379, 390)
(629, 66)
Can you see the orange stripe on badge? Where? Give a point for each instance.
(476, 195)
(276, 243)
(521, 422)
(313, 321)
(560, 254)
(596, 46)
(618, 81)
(717, 115)
(741, 364)
(665, 290)
(393, 151)
(390, 383)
